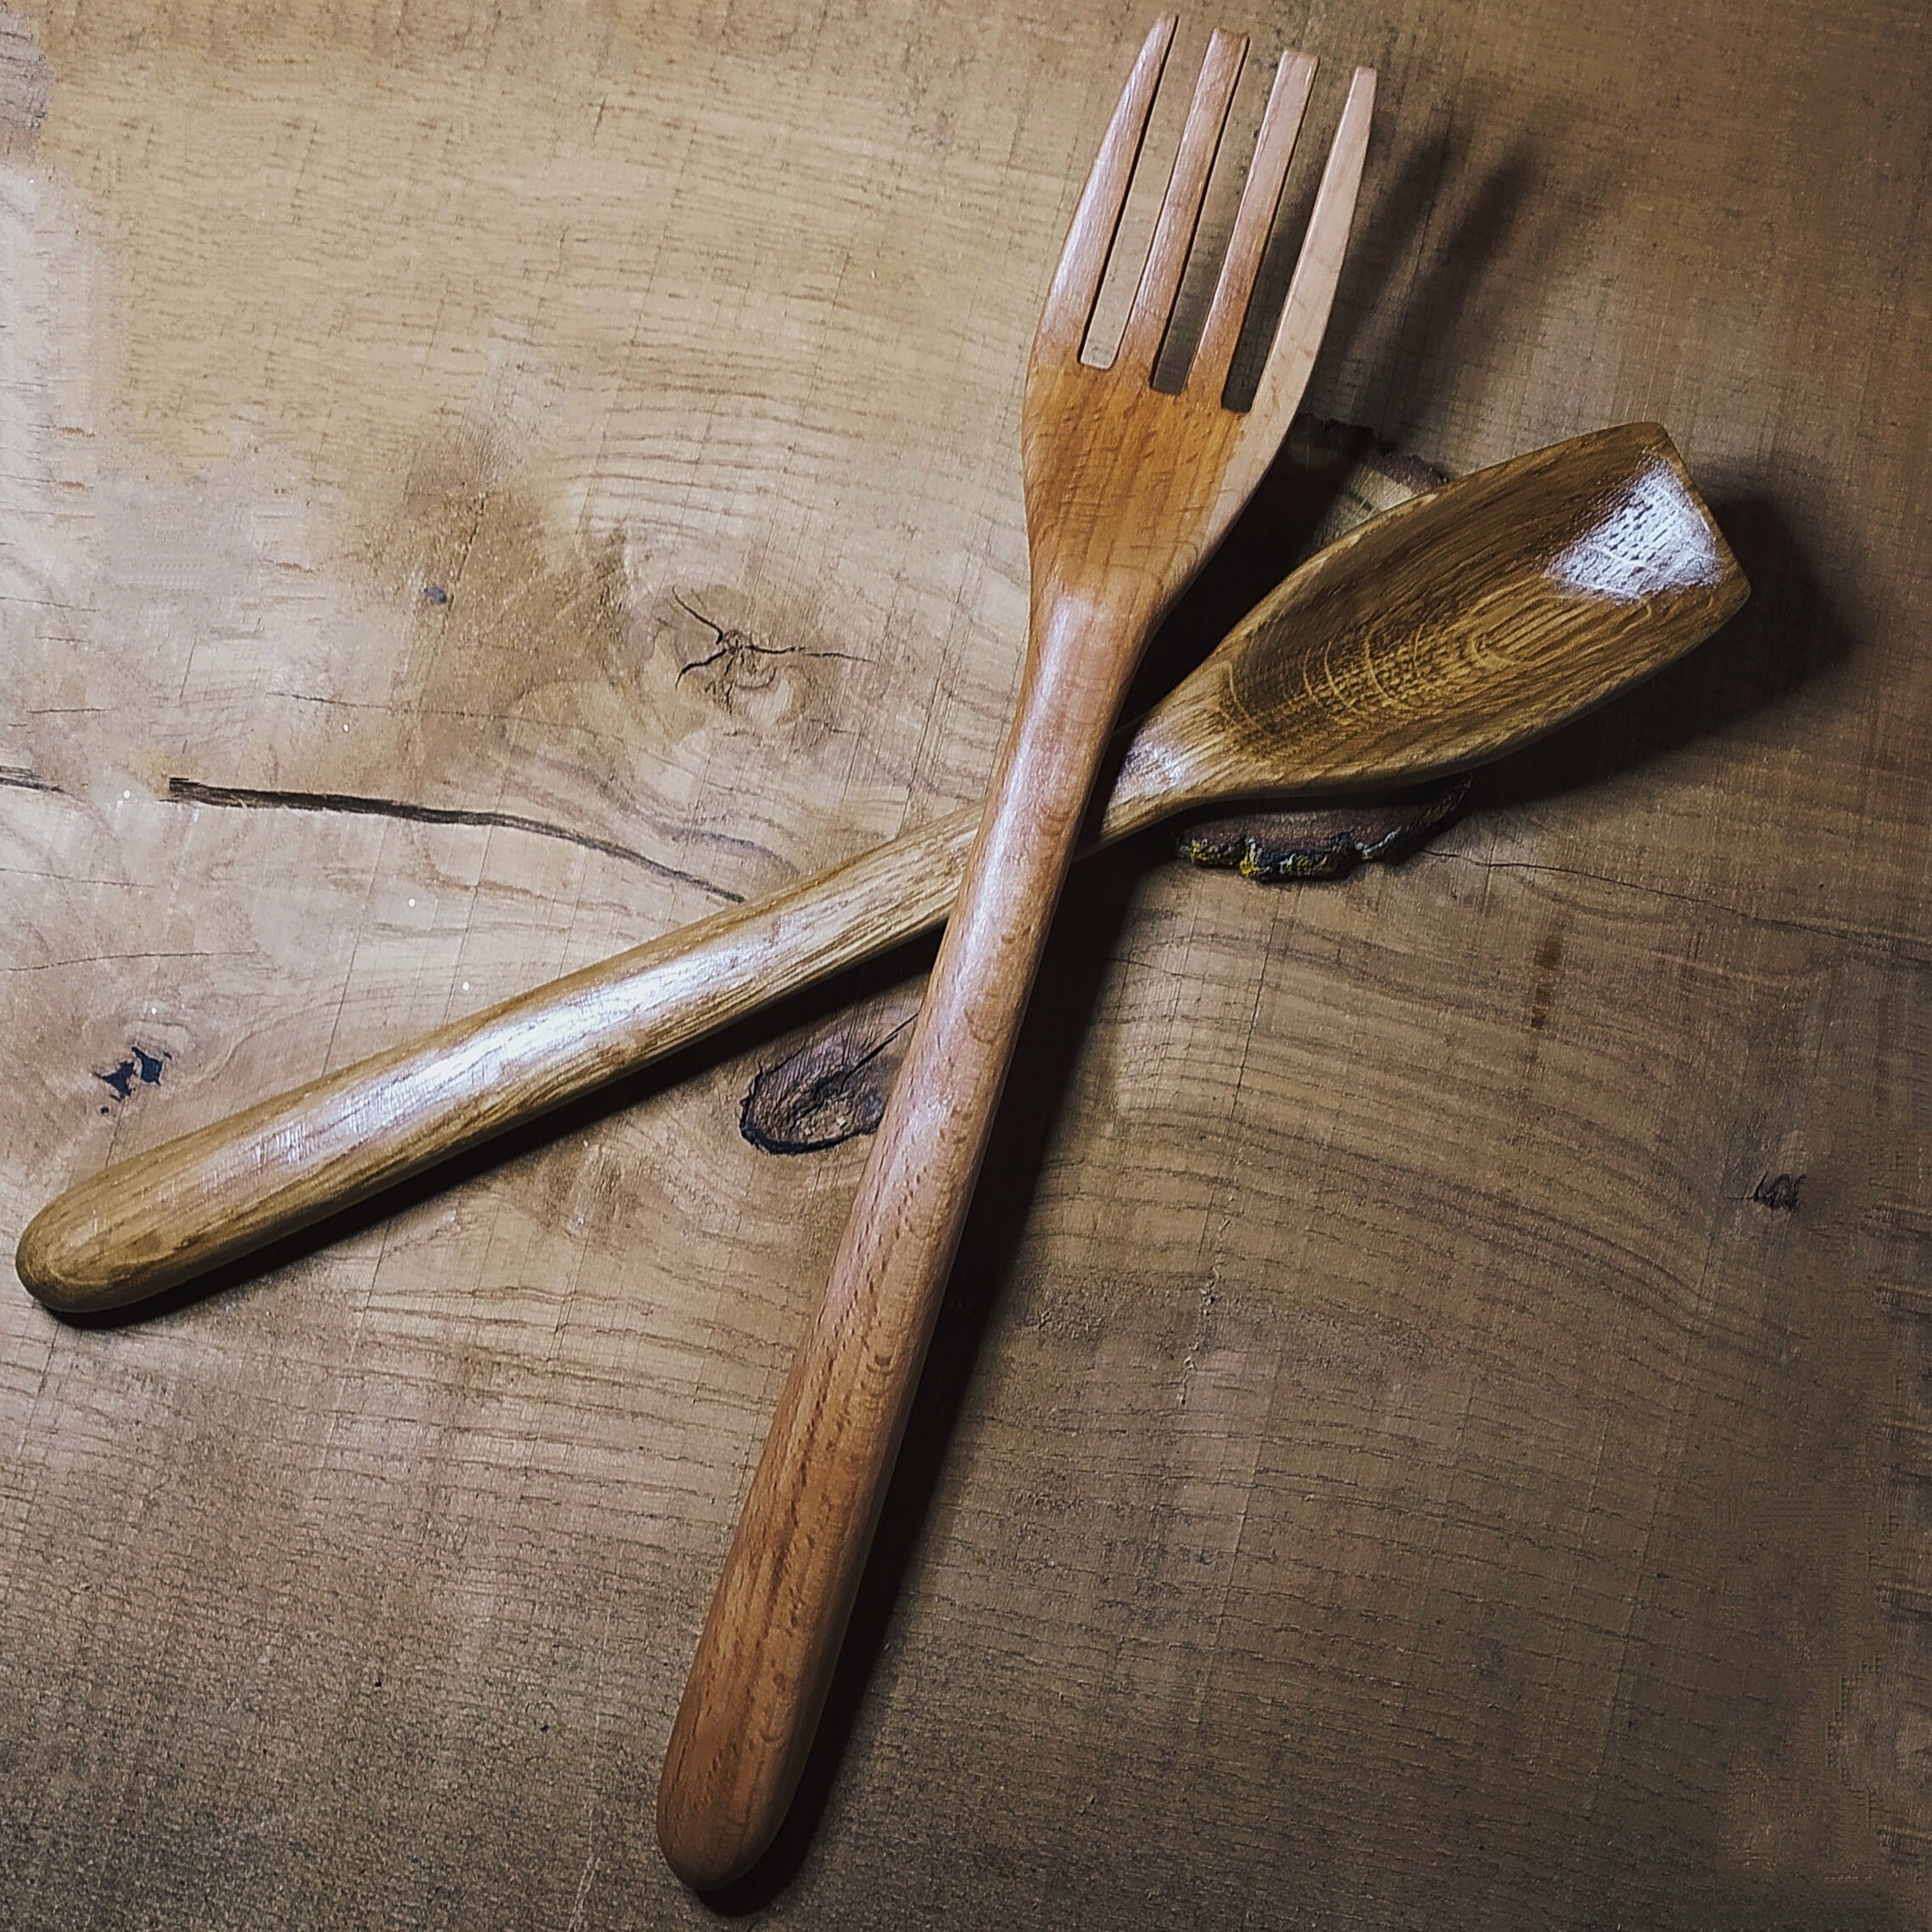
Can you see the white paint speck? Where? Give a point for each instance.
(412, 902)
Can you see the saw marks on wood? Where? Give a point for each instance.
(1384, 1462)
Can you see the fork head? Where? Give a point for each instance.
(1128, 489)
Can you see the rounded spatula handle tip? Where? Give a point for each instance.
(175, 1212)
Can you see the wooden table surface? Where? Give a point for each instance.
(1434, 1422)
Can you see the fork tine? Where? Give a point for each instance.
(1180, 207)
(1260, 196)
(1311, 293)
(1083, 260)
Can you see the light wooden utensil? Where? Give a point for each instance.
(1127, 489)
(1448, 631)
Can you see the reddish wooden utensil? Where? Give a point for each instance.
(1127, 490)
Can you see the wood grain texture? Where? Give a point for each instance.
(1431, 644)
(1383, 1416)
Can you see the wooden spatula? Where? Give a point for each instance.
(1474, 617)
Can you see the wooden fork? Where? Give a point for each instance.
(1127, 490)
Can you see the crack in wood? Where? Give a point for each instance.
(24, 780)
(1779, 1192)
(193, 791)
(1323, 842)
(832, 1089)
(734, 647)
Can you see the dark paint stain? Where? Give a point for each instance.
(435, 593)
(1779, 1192)
(1324, 842)
(139, 1065)
(832, 1089)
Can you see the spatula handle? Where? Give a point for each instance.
(210, 1197)
(766, 1655)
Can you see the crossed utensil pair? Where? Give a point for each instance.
(1442, 633)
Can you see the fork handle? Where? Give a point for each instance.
(778, 1616)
